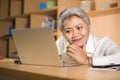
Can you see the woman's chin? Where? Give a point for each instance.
(78, 44)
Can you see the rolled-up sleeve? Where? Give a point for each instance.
(107, 52)
(61, 44)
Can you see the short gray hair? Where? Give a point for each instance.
(72, 11)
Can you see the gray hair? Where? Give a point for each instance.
(72, 11)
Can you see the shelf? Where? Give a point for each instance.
(49, 12)
(5, 37)
(104, 12)
(53, 12)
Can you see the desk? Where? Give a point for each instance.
(31, 72)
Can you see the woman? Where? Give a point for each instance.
(77, 46)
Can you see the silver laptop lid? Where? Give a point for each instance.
(36, 46)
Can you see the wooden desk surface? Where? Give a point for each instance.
(32, 72)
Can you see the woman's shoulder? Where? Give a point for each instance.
(101, 40)
(61, 39)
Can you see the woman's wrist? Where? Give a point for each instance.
(89, 61)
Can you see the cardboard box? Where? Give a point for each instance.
(21, 22)
(36, 20)
(3, 48)
(4, 27)
(67, 3)
(4, 8)
(15, 7)
(32, 5)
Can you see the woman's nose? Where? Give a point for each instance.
(75, 33)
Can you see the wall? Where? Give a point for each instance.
(108, 25)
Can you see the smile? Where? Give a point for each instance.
(76, 40)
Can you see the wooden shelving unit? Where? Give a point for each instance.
(49, 11)
(53, 11)
(104, 12)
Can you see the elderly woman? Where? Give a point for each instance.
(77, 46)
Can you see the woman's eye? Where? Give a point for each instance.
(67, 31)
(80, 27)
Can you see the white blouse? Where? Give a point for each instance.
(102, 50)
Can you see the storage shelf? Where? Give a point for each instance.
(5, 37)
(53, 11)
(104, 12)
(49, 12)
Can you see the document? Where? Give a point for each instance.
(114, 67)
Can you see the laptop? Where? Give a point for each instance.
(36, 46)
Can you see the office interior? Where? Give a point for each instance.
(16, 14)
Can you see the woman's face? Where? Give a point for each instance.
(76, 31)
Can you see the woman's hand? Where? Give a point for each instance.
(78, 54)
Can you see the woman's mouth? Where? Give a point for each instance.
(76, 40)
